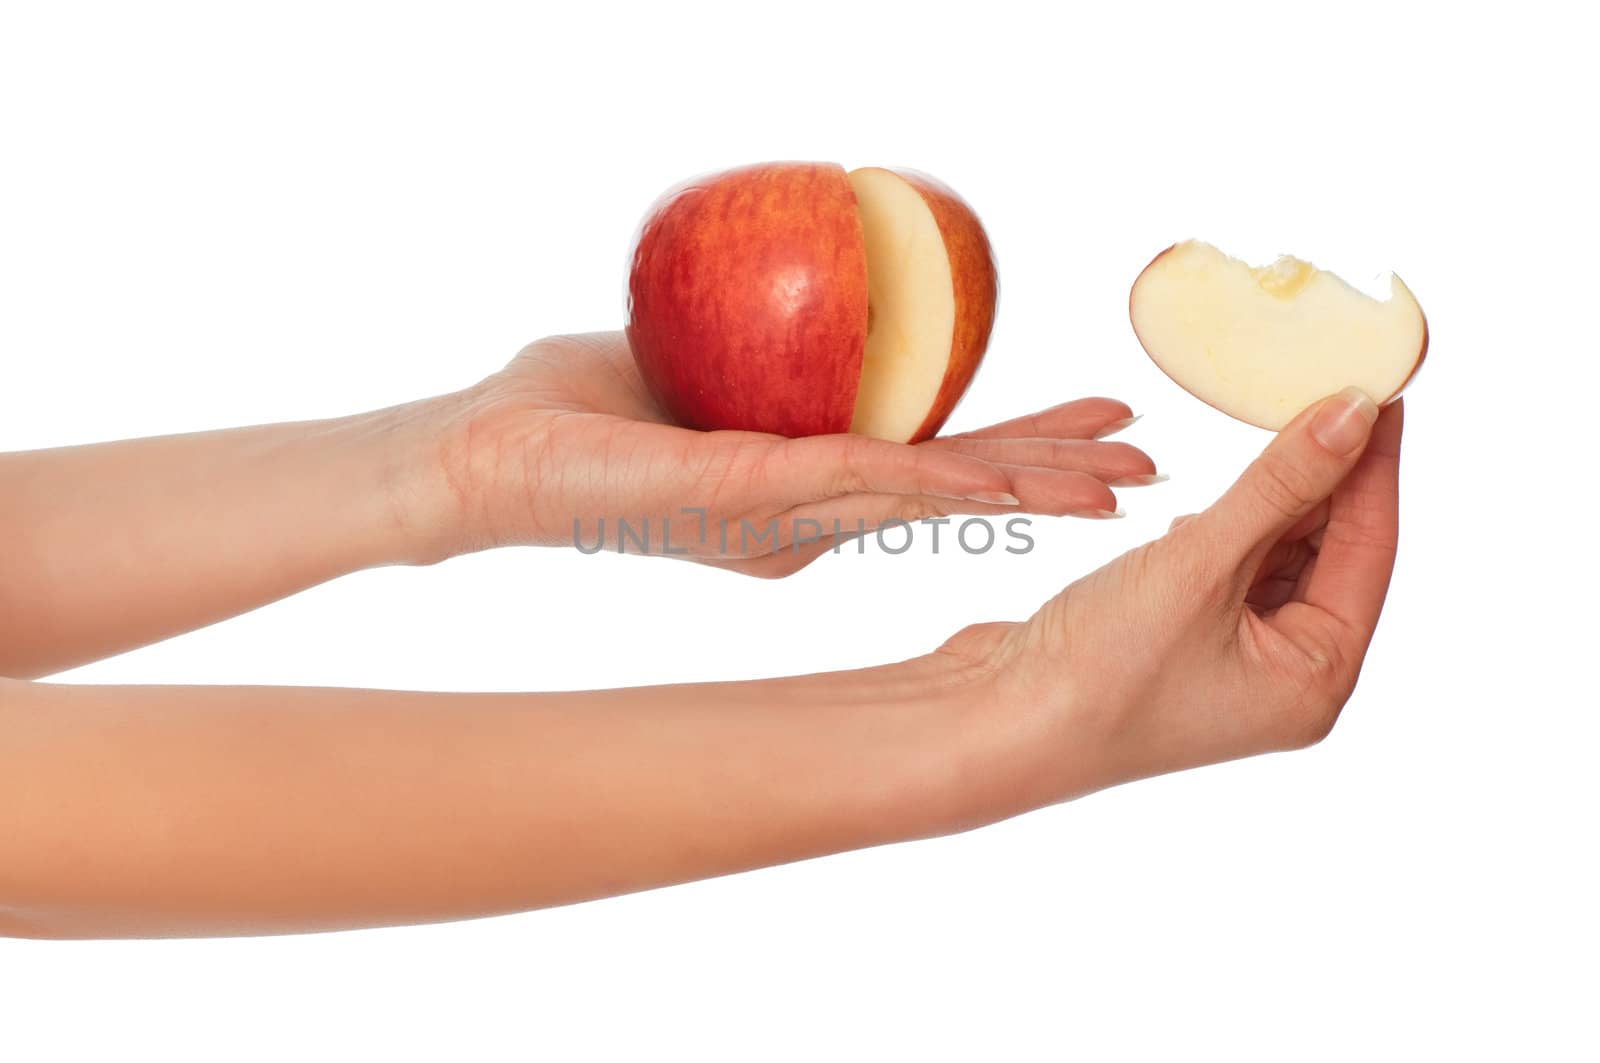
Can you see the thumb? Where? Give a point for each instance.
(1297, 471)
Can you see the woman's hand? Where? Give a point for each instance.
(1241, 631)
(567, 437)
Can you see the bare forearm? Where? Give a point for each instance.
(171, 811)
(111, 546)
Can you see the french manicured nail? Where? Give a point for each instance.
(994, 498)
(1345, 421)
(1116, 426)
(1103, 514)
(1143, 480)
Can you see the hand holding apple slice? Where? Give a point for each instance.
(1262, 344)
(796, 299)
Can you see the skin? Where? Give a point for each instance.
(140, 811)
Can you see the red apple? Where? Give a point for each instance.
(1261, 344)
(796, 299)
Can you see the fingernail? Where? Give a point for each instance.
(1143, 480)
(1116, 426)
(994, 498)
(1102, 514)
(1344, 421)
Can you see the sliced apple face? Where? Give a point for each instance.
(1262, 344)
(925, 278)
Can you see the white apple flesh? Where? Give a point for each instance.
(911, 307)
(1262, 344)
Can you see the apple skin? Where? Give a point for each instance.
(977, 292)
(1422, 355)
(747, 300)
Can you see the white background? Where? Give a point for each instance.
(212, 217)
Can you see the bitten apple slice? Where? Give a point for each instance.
(931, 290)
(1262, 344)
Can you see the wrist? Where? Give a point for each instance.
(1028, 729)
(468, 482)
(418, 457)
(989, 756)
(846, 760)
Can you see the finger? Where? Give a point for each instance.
(1080, 419)
(1356, 557)
(1112, 463)
(1046, 492)
(799, 536)
(818, 467)
(1061, 493)
(1287, 558)
(1297, 471)
(1308, 529)
(1308, 526)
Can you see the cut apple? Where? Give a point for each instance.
(913, 348)
(796, 299)
(1262, 344)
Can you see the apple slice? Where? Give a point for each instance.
(1262, 344)
(931, 291)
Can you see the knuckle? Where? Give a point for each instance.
(1052, 453)
(1281, 485)
(851, 459)
(1124, 454)
(1361, 534)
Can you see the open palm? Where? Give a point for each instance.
(565, 443)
